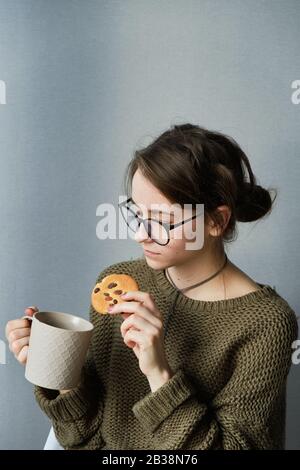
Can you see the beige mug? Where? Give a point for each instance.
(58, 346)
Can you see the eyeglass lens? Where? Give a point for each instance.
(155, 230)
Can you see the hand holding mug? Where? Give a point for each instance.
(17, 333)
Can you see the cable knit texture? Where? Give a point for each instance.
(230, 360)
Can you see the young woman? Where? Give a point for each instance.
(198, 357)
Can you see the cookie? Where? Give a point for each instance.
(107, 292)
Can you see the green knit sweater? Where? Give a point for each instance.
(230, 360)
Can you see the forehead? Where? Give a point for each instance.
(149, 199)
(144, 192)
(154, 207)
(146, 196)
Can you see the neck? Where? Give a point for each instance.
(198, 268)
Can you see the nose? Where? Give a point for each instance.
(141, 234)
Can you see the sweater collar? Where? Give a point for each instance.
(169, 291)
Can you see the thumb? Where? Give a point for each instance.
(31, 311)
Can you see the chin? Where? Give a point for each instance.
(156, 263)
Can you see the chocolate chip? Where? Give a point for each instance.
(111, 305)
(111, 285)
(117, 292)
(96, 290)
(106, 293)
(108, 298)
(115, 301)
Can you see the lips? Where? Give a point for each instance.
(153, 252)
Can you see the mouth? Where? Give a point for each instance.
(150, 252)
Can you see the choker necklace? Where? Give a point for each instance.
(166, 323)
(198, 283)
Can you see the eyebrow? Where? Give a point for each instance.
(154, 210)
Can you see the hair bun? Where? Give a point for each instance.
(253, 203)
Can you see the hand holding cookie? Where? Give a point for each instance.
(107, 293)
(143, 332)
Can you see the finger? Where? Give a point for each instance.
(30, 311)
(134, 337)
(125, 315)
(14, 324)
(144, 297)
(18, 333)
(22, 356)
(124, 307)
(17, 345)
(33, 308)
(136, 307)
(139, 323)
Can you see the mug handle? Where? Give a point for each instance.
(28, 317)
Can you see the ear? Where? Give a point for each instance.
(224, 213)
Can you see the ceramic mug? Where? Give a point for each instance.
(58, 346)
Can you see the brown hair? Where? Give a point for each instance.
(191, 164)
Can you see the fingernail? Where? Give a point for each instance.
(110, 309)
(124, 295)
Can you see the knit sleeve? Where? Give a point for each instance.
(244, 414)
(77, 414)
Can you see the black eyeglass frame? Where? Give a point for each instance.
(166, 225)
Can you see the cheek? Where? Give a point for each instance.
(176, 247)
(187, 241)
(196, 236)
(185, 234)
(178, 254)
(177, 244)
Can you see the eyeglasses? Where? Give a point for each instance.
(157, 230)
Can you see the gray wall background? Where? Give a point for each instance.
(87, 82)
